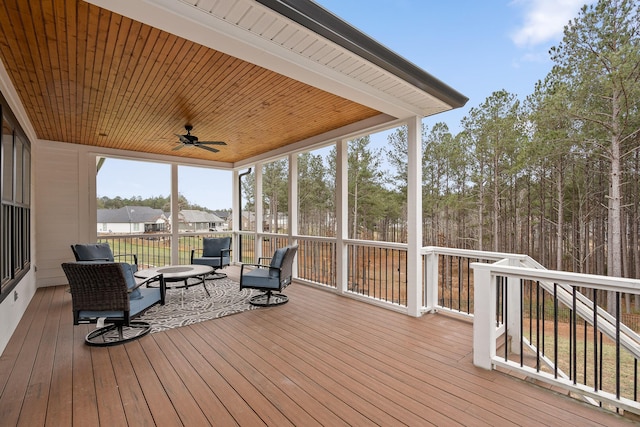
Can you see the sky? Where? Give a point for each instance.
(476, 47)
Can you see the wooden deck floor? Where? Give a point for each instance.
(321, 359)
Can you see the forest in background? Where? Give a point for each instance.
(555, 175)
(156, 202)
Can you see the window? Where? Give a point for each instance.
(15, 215)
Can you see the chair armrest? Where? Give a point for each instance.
(192, 255)
(263, 258)
(253, 265)
(157, 278)
(146, 281)
(225, 250)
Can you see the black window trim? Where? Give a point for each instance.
(15, 212)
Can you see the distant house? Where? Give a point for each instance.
(226, 217)
(193, 220)
(131, 219)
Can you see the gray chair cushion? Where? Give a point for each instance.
(261, 278)
(148, 297)
(93, 252)
(278, 257)
(98, 252)
(127, 270)
(213, 246)
(211, 261)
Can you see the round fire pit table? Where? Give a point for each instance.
(173, 274)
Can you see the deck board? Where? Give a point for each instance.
(321, 359)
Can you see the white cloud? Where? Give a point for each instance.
(544, 20)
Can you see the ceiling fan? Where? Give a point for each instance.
(189, 139)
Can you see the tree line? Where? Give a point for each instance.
(555, 175)
(155, 202)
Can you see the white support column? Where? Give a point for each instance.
(259, 211)
(236, 217)
(414, 217)
(292, 221)
(484, 320)
(175, 218)
(293, 197)
(342, 216)
(88, 186)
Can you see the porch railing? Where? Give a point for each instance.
(317, 261)
(378, 270)
(448, 277)
(550, 326)
(541, 324)
(154, 250)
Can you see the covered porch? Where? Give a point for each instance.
(272, 78)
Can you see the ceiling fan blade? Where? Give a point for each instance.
(213, 150)
(212, 142)
(183, 139)
(178, 147)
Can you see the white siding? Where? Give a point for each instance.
(122, 228)
(57, 195)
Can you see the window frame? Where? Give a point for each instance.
(15, 211)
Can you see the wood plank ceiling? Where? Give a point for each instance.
(88, 76)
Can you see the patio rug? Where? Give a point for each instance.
(192, 305)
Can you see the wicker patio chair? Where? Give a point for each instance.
(108, 293)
